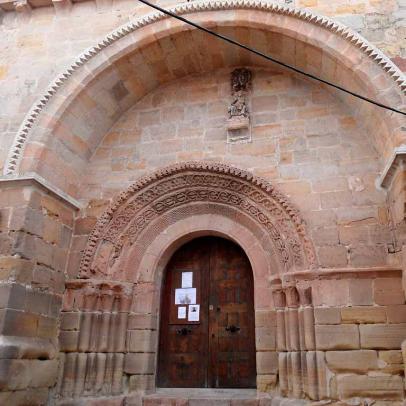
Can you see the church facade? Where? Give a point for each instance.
(183, 222)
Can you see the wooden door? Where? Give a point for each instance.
(218, 350)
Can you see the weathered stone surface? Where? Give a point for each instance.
(24, 397)
(265, 339)
(267, 362)
(141, 382)
(142, 321)
(382, 336)
(139, 363)
(361, 292)
(382, 386)
(337, 337)
(68, 340)
(327, 315)
(17, 374)
(352, 361)
(265, 383)
(396, 313)
(388, 291)
(70, 320)
(141, 340)
(363, 314)
(391, 362)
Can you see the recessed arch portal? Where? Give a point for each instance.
(85, 92)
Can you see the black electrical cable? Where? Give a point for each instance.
(269, 58)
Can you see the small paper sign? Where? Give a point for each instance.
(187, 279)
(182, 312)
(194, 312)
(185, 296)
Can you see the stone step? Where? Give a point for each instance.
(216, 397)
(204, 397)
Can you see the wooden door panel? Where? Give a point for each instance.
(231, 290)
(210, 354)
(183, 358)
(190, 343)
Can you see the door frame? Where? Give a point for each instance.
(148, 301)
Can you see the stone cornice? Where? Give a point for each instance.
(338, 273)
(197, 6)
(397, 160)
(32, 178)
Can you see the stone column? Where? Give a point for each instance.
(93, 331)
(280, 305)
(295, 370)
(306, 319)
(279, 301)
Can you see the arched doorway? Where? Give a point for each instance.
(207, 327)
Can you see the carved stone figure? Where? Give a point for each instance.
(238, 113)
(238, 107)
(240, 80)
(240, 83)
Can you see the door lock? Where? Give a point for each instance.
(183, 331)
(232, 328)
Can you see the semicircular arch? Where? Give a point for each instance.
(57, 126)
(125, 232)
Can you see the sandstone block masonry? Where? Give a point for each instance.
(84, 243)
(36, 229)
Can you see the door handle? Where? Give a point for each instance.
(183, 331)
(232, 328)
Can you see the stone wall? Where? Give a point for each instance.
(303, 141)
(332, 332)
(340, 336)
(47, 39)
(35, 237)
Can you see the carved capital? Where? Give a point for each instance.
(278, 295)
(305, 295)
(292, 296)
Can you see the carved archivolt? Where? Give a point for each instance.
(190, 183)
(56, 85)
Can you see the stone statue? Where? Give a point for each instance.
(238, 113)
(240, 80)
(238, 106)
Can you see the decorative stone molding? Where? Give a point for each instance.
(339, 29)
(33, 178)
(189, 183)
(337, 274)
(397, 161)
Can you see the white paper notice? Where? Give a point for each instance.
(182, 312)
(185, 296)
(194, 311)
(187, 279)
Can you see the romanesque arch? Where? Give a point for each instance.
(335, 52)
(219, 188)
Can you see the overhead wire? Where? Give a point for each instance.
(269, 58)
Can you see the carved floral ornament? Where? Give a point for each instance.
(190, 183)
